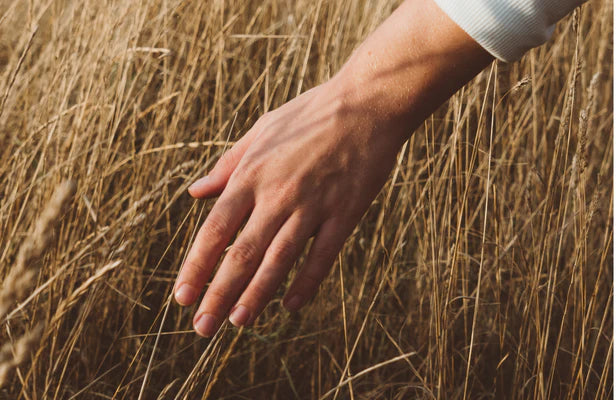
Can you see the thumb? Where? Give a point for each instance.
(213, 183)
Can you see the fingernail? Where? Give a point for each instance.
(205, 325)
(199, 182)
(294, 303)
(185, 294)
(239, 315)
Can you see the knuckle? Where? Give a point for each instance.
(227, 160)
(285, 194)
(243, 253)
(260, 292)
(283, 251)
(324, 254)
(291, 191)
(313, 279)
(244, 173)
(214, 227)
(196, 265)
(214, 299)
(248, 171)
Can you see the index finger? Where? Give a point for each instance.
(222, 223)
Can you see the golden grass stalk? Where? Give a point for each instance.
(12, 355)
(22, 276)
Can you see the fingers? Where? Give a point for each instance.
(221, 225)
(214, 183)
(236, 270)
(278, 260)
(322, 254)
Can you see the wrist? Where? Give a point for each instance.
(364, 89)
(407, 67)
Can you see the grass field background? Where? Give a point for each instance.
(482, 270)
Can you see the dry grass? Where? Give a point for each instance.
(483, 269)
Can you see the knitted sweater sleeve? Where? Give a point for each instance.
(508, 28)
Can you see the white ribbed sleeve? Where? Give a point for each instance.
(508, 28)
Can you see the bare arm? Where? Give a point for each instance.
(313, 166)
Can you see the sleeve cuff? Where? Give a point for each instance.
(506, 29)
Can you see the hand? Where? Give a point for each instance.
(310, 168)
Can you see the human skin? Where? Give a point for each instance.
(312, 167)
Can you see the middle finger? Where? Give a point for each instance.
(238, 266)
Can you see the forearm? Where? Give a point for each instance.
(407, 67)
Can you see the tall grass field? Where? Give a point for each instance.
(483, 269)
